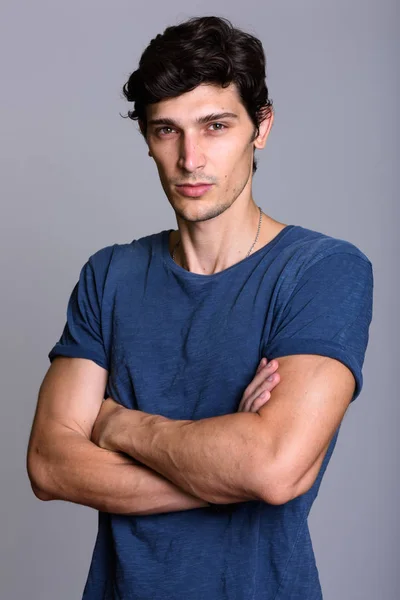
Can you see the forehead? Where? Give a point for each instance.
(205, 98)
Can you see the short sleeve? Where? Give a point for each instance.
(328, 313)
(82, 335)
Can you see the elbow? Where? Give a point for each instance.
(40, 494)
(280, 491)
(278, 487)
(278, 495)
(36, 471)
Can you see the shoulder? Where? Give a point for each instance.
(116, 260)
(307, 247)
(121, 253)
(311, 260)
(313, 245)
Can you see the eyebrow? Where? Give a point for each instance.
(199, 120)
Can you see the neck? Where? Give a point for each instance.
(208, 246)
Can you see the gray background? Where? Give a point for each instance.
(76, 177)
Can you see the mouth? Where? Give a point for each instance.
(194, 190)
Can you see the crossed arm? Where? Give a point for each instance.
(273, 454)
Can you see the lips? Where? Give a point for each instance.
(194, 190)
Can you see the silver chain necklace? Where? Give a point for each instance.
(254, 243)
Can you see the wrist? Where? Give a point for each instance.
(130, 425)
(116, 426)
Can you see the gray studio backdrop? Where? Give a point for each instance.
(76, 177)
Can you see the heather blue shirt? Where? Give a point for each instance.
(185, 346)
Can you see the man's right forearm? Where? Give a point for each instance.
(67, 466)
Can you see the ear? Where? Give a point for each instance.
(267, 118)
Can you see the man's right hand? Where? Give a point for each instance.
(258, 392)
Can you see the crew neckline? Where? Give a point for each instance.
(169, 261)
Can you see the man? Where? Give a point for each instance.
(204, 470)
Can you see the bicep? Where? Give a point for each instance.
(303, 414)
(70, 396)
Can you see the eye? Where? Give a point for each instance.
(161, 129)
(222, 126)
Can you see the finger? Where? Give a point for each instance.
(259, 402)
(265, 372)
(261, 365)
(265, 386)
(248, 404)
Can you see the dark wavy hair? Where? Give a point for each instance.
(200, 50)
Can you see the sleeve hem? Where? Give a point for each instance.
(73, 352)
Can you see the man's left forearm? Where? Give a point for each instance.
(219, 459)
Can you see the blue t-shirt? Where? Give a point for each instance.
(185, 346)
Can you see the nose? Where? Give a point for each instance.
(191, 156)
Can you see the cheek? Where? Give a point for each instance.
(163, 164)
(233, 166)
(230, 153)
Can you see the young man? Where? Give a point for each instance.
(203, 484)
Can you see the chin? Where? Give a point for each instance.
(198, 210)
